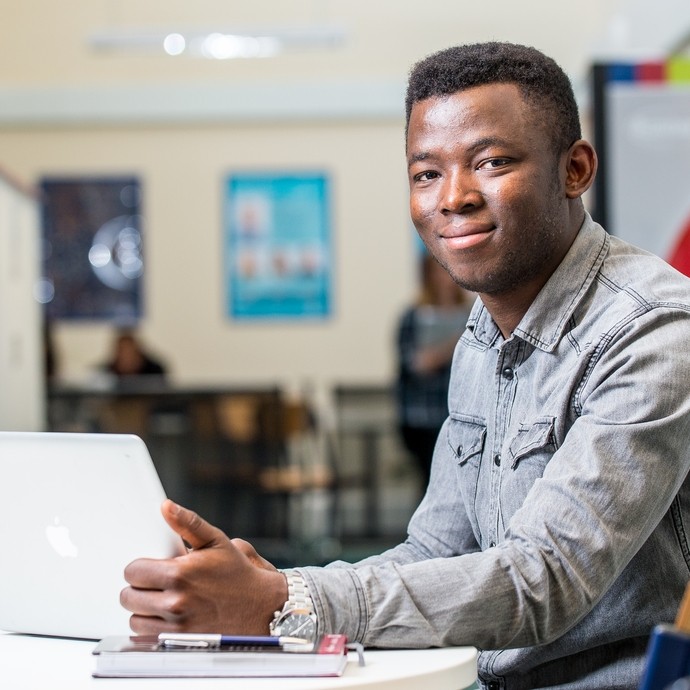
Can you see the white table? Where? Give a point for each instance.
(33, 663)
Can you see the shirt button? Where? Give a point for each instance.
(497, 459)
(508, 373)
(459, 451)
(491, 546)
(493, 685)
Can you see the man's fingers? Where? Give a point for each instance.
(194, 530)
(148, 573)
(216, 586)
(145, 625)
(146, 602)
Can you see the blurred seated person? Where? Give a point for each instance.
(427, 334)
(129, 359)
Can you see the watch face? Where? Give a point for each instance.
(297, 625)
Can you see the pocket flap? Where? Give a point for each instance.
(466, 437)
(530, 437)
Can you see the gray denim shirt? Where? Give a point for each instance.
(553, 532)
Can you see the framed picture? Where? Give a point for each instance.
(278, 258)
(93, 259)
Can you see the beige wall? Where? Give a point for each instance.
(47, 70)
(182, 170)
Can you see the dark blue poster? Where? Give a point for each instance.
(93, 259)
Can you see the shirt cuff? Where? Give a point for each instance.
(339, 601)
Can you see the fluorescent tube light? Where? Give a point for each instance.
(220, 44)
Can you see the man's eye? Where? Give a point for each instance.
(493, 163)
(425, 176)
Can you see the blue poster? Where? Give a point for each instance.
(278, 251)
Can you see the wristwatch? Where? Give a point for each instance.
(297, 617)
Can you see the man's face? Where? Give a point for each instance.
(486, 189)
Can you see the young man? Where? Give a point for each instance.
(552, 534)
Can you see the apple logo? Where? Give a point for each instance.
(59, 538)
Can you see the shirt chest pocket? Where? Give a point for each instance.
(528, 453)
(466, 436)
(532, 439)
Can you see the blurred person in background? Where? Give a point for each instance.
(130, 358)
(428, 332)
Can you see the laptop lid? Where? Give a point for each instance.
(75, 509)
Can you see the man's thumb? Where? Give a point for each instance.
(193, 529)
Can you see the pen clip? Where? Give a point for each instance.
(170, 643)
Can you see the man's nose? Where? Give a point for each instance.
(459, 193)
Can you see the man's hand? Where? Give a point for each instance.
(220, 585)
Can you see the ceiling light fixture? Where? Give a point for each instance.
(220, 45)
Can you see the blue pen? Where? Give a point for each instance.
(208, 640)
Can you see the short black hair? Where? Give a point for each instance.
(541, 81)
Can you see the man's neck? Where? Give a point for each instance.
(507, 314)
(508, 308)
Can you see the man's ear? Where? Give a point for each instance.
(580, 168)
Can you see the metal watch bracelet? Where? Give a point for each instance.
(298, 596)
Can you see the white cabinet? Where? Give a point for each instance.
(22, 380)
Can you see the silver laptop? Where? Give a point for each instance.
(75, 509)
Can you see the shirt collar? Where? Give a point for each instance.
(546, 319)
